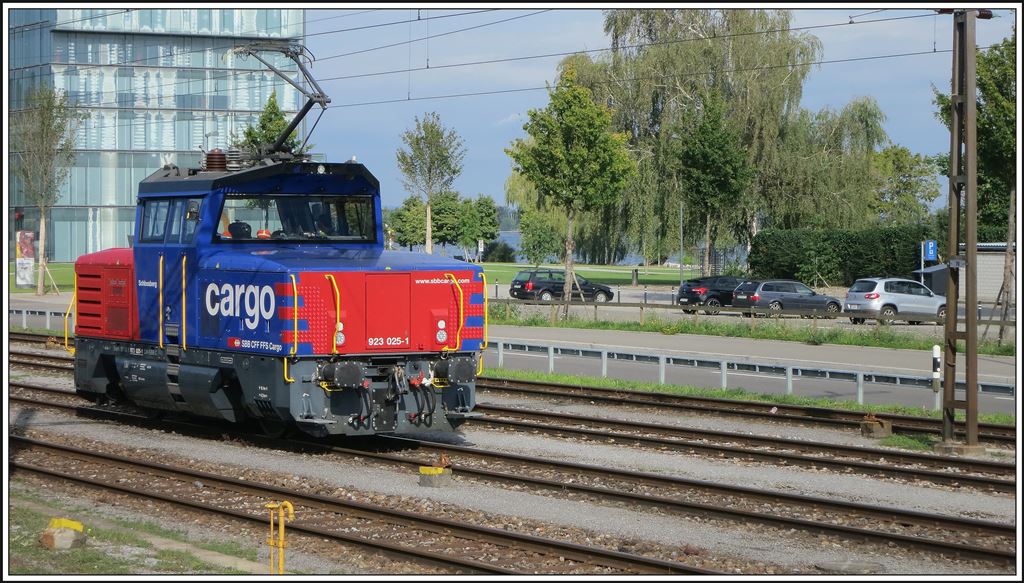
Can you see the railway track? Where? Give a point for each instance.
(878, 462)
(61, 362)
(906, 424)
(949, 536)
(438, 541)
(953, 471)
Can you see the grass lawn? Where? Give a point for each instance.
(120, 551)
(740, 394)
(607, 274)
(63, 274)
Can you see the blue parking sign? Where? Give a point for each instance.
(931, 250)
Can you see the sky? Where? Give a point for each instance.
(902, 86)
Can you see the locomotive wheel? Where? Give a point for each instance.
(275, 428)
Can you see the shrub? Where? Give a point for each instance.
(499, 252)
(839, 256)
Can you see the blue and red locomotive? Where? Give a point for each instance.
(260, 289)
(266, 294)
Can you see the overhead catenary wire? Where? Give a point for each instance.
(511, 59)
(546, 87)
(658, 77)
(240, 72)
(246, 41)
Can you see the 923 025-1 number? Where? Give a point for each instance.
(387, 341)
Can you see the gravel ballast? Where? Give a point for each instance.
(737, 540)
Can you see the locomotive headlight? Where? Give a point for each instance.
(442, 336)
(441, 324)
(339, 336)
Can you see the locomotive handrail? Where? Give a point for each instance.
(484, 278)
(295, 327)
(337, 313)
(184, 343)
(70, 349)
(480, 360)
(462, 310)
(160, 310)
(295, 315)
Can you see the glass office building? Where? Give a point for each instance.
(156, 86)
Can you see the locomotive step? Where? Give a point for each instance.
(462, 415)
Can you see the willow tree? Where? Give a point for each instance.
(824, 176)
(576, 162)
(664, 61)
(43, 136)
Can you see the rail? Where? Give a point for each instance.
(768, 369)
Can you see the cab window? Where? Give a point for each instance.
(298, 218)
(154, 220)
(182, 220)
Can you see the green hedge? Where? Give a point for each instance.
(840, 256)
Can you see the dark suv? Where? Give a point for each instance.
(549, 284)
(712, 292)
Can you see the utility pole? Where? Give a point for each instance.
(681, 243)
(963, 192)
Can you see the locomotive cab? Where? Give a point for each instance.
(266, 294)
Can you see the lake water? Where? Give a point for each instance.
(514, 239)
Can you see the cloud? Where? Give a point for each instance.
(510, 118)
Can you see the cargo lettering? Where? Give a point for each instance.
(248, 301)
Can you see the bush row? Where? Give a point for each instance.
(837, 256)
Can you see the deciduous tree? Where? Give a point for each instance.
(42, 138)
(906, 185)
(540, 237)
(576, 162)
(713, 171)
(430, 163)
(408, 222)
(997, 137)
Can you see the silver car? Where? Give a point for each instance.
(890, 298)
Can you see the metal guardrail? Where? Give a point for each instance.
(663, 360)
(48, 314)
(770, 369)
